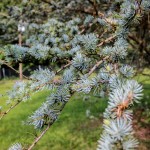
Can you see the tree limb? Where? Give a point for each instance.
(94, 6)
(13, 69)
(96, 65)
(39, 137)
(6, 112)
(106, 40)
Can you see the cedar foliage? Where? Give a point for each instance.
(86, 53)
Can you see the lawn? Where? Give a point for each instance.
(74, 130)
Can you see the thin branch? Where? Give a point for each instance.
(85, 28)
(100, 36)
(81, 10)
(144, 74)
(46, 129)
(63, 67)
(106, 40)
(51, 2)
(94, 6)
(133, 45)
(96, 65)
(133, 37)
(6, 112)
(37, 88)
(48, 2)
(49, 125)
(39, 137)
(110, 21)
(13, 69)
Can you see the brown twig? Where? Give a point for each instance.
(110, 21)
(96, 65)
(63, 67)
(6, 112)
(94, 6)
(133, 37)
(39, 137)
(106, 40)
(13, 68)
(102, 34)
(81, 10)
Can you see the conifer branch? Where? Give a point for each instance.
(39, 137)
(96, 65)
(94, 6)
(61, 40)
(63, 67)
(13, 68)
(106, 40)
(82, 10)
(48, 126)
(6, 112)
(37, 88)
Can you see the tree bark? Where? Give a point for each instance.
(20, 64)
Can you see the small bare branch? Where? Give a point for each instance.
(13, 68)
(39, 137)
(106, 40)
(6, 112)
(96, 65)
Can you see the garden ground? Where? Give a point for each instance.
(74, 130)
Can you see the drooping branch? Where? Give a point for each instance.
(70, 78)
(48, 126)
(90, 72)
(37, 88)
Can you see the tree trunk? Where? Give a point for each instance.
(20, 64)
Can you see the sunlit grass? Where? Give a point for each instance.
(73, 129)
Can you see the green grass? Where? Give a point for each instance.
(73, 130)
